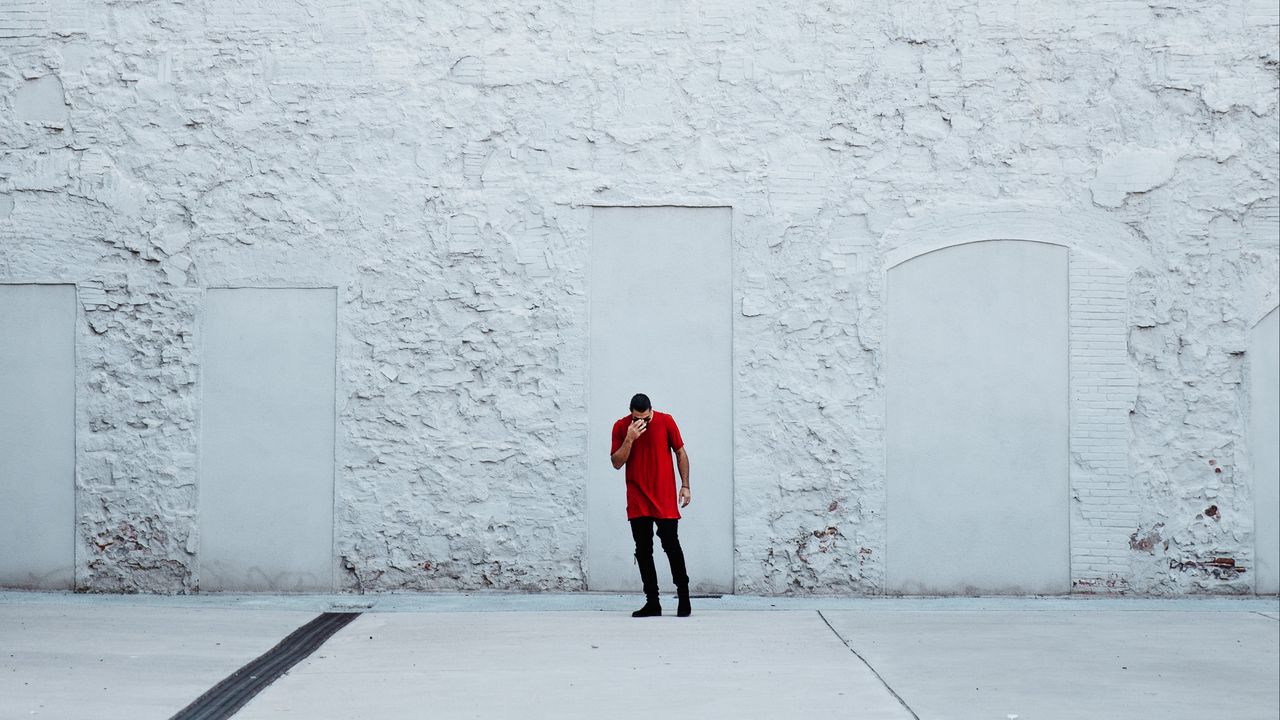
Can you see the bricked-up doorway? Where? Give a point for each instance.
(661, 323)
(1264, 427)
(37, 436)
(266, 470)
(976, 367)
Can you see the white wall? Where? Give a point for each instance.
(977, 420)
(37, 436)
(1264, 441)
(661, 324)
(266, 476)
(437, 164)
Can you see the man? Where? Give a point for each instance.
(644, 441)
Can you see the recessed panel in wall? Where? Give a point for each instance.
(266, 478)
(977, 421)
(1264, 429)
(37, 436)
(661, 324)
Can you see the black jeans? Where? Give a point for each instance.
(668, 533)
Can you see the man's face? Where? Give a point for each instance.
(646, 415)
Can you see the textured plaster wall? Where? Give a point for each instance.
(436, 164)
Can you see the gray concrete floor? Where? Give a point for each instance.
(492, 655)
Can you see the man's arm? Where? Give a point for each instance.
(682, 464)
(619, 456)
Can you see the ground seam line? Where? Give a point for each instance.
(1259, 612)
(864, 662)
(233, 692)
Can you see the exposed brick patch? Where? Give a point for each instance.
(1103, 509)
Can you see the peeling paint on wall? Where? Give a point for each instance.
(435, 165)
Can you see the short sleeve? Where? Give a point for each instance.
(619, 434)
(673, 436)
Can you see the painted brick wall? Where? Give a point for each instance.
(436, 162)
(1103, 391)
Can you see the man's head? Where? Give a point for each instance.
(640, 406)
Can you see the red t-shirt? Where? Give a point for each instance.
(651, 477)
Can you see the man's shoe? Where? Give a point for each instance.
(682, 608)
(651, 609)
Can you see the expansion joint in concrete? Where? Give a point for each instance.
(869, 667)
(227, 697)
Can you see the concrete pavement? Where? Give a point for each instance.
(581, 656)
(1064, 665)
(581, 666)
(62, 660)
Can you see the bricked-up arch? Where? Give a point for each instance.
(976, 420)
(1101, 256)
(1079, 230)
(1264, 425)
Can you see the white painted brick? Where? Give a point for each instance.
(445, 165)
(23, 22)
(1261, 13)
(1099, 435)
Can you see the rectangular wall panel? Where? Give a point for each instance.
(37, 436)
(977, 421)
(267, 463)
(661, 324)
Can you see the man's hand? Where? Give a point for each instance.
(638, 427)
(685, 497)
